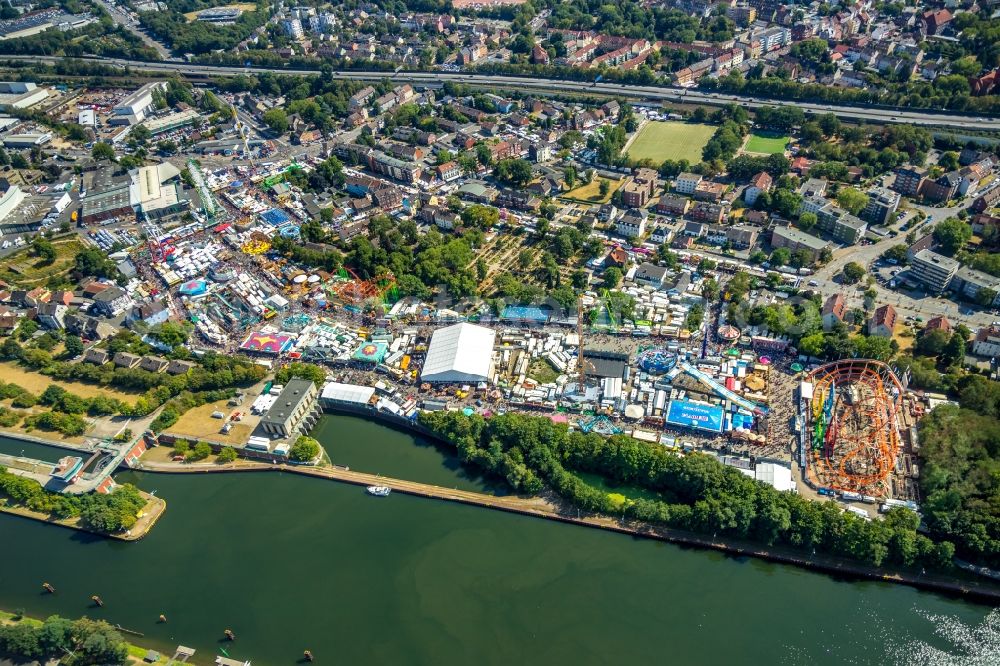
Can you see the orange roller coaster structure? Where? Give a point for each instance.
(852, 425)
(353, 290)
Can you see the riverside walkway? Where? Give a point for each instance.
(552, 508)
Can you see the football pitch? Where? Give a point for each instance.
(763, 144)
(670, 140)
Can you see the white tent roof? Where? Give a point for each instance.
(776, 475)
(459, 353)
(354, 393)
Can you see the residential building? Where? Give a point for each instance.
(813, 187)
(650, 274)
(935, 271)
(759, 184)
(111, 302)
(707, 212)
(153, 364)
(709, 191)
(796, 239)
(671, 204)
(95, 356)
(295, 407)
(834, 311)
(909, 180)
(660, 234)
(640, 189)
(632, 224)
(617, 258)
(987, 342)
(635, 195)
(986, 200)
(841, 225)
(939, 323)
(126, 360)
(686, 183)
(52, 315)
(883, 322)
(971, 283)
(943, 188)
(179, 367)
(882, 205)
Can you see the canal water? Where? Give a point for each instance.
(292, 563)
(20, 447)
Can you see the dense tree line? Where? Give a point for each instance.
(211, 372)
(82, 642)
(696, 492)
(102, 38)
(941, 94)
(199, 37)
(960, 450)
(110, 513)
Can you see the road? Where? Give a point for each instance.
(905, 306)
(122, 19)
(651, 93)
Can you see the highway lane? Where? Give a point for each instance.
(651, 93)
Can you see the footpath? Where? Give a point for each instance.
(551, 508)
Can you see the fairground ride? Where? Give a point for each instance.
(355, 291)
(852, 425)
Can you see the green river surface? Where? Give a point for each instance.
(292, 563)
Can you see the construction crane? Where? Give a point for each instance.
(241, 130)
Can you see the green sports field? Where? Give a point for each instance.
(669, 140)
(763, 144)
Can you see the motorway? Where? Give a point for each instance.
(650, 93)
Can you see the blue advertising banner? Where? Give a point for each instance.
(695, 415)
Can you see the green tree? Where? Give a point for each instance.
(277, 120)
(813, 345)
(781, 257)
(986, 296)
(853, 272)
(73, 346)
(932, 343)
(103, 151)
(807, 221)
(304, 449)
(951, 235)
(227, 455)
(954, 351)
(514, 172)
(612, 277)
(603, 187)
(852, 200)
(171, 334)
(896, 253)
(314, 373)
(710, 289)
(44, 250)
(200, 451)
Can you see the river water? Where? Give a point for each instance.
(292, 563)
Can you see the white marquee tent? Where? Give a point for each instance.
(459, 353)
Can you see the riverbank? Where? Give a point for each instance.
(155, 506)
(137, 653)
(552, 509)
